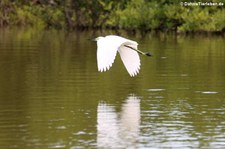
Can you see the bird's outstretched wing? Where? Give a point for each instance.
(106, 53)
(130, 59)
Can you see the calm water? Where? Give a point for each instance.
(51, 95)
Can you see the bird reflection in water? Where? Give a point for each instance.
(118, 129)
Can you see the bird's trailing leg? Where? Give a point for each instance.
(143, 53)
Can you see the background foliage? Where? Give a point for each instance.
(144, 15)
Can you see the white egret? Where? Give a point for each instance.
(107, 48)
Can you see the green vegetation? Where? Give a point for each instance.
(143, 15)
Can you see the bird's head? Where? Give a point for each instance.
(98, 38)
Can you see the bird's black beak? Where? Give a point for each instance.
(148, 54)
(92, 39)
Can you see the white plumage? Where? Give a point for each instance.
(107, 48)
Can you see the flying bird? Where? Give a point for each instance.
(107, 48)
